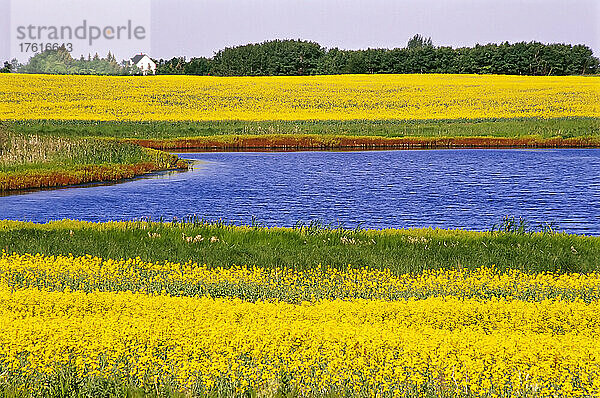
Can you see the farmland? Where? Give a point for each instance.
(205, 308)
(88, 325)
(225, 346)
(349, 97)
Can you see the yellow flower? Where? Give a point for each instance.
(345, 97)
(494, 345)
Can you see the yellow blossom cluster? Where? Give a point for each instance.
(497, 347)
(98, 318)
(344, 97)
(89, 273)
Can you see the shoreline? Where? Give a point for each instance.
(31, 180)
(42, 179)
(252, 136)
(322, 142)
(306, 246)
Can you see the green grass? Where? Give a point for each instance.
(64, 382)
(26, 151)
(401, 251)
(34, 161)
(544, 128)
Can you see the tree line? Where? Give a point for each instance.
(60, 62)
(299, 57)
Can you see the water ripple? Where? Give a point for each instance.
(470, 189)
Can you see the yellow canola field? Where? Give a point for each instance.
(344, 97)
(441, 345)
(94, 273)
(497, 347)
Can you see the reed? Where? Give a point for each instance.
(34, 161)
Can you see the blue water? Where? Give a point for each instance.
(469, 189)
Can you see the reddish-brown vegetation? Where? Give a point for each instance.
(29, 179)
(311, 141)
(78, 175)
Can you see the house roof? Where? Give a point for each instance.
(137, 58)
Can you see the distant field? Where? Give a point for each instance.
(347, 97)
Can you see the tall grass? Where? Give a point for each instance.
(19, 151)
(307, 246)
(33, 161)
(518, 127)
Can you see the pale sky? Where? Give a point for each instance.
(201, 27)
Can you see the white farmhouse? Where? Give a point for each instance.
(144, 63)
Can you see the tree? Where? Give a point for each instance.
(111, 58)
(418, 41)
(61, 62)
(269, 58)
(8, 67)
(173, 66)
(197, 66)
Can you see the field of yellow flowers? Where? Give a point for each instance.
(99, 324)
(347, 97)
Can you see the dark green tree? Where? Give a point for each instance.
(418, 41)
(7, 68)
(60, 62)
(270, 58)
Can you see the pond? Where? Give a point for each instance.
(468, 189)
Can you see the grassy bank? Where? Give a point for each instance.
(329, 142)
(307, 247)
(365, 134)
(572, 127)
(37, 161)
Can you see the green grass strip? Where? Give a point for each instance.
(308, 246)
(544, 128)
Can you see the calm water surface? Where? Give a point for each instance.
(470, 189)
